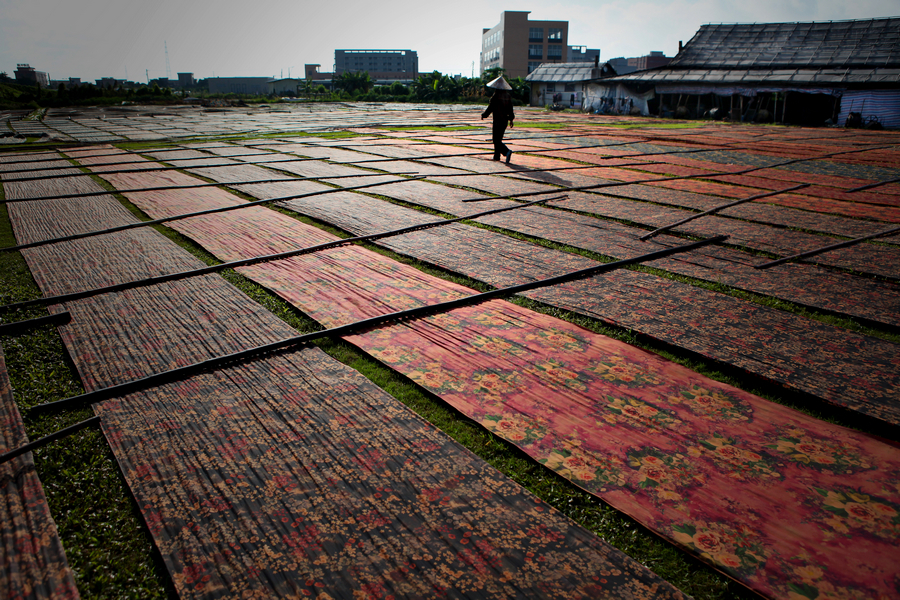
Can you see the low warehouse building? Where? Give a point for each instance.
(837, 72)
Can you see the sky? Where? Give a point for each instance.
(127, 39)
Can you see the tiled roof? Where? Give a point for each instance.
(562, 72)
(869, 43)
(801, 54)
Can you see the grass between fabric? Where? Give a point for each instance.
(112, 554)
(107, 546)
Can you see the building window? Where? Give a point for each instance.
(536, 34)
(535, 51)
(493, 39)
(570, 87)
(554, 51)
(551, 87)
(555, 35)
(532, 66)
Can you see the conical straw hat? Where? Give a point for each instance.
(499, 84)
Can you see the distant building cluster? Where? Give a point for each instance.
(517, 45)
(520, 46)
(27, 75)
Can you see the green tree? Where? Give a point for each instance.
(353, 82)
(62, 94)
(435, 87)
(490, 74)
(398, 89)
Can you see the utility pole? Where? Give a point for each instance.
(168, 70)
(147, 73)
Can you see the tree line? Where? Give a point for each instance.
(349, 86)
(428, 87)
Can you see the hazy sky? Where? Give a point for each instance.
(230, 38)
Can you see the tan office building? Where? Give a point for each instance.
(520, 46)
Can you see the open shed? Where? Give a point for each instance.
(803, 73)
(565, 83)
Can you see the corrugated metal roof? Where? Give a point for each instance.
(568, 72)
(871, 43)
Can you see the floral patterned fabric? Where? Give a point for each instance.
(793, 351)
(293, 475)
(724, 474)
(32, 560)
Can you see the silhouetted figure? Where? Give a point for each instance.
(502, 108)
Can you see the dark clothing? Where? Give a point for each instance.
(497, 131)
(502, 108)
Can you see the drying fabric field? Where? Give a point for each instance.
(269, 327)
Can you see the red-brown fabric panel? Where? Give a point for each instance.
(765, 493)
(32, 560)
(292, 475)
(794, 351)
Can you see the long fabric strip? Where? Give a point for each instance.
(796, 352)
(33, 563)
(769, 495)
(291, 476)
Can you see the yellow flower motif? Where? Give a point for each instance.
(860, 498)
(785, 446)
(669, 495)
(808, 573)
(492, 319)
(837, 525)
(682, 538)
(835, 500)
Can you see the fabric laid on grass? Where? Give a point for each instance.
(292, 475)
(838, 366)
(871, 258)
(296, 476)
(757, 212)
(33, 563)
(764, 493)
(804, 284)
(866, 257)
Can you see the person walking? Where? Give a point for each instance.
(502, 108)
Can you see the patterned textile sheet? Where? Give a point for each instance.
(870, 258)
(33, 563)
(759, 182)
(304, 478)
(803, 283)
(793, 351)
(759, 212)
(875, 205)
(293, 475)
(766, 494)
(869, 299)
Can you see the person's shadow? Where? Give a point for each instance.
(543, 176)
